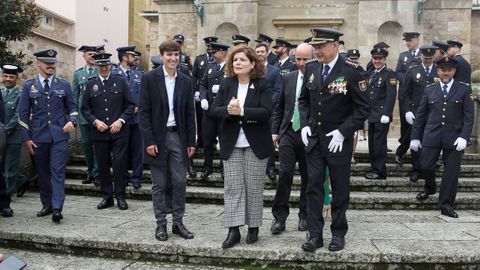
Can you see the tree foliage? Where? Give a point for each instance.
(17, 20)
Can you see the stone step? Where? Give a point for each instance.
(357, 183)
(377, 239)
(358, 200)
(359, 169)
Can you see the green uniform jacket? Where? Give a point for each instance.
(10, 102)
(80, 79)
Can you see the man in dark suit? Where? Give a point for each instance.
(464, 69)
(286, 135)
(167, 123)
(405, 60)
(209, 87)
(333, 104)
(416, 79)
(444, 122)
(108, 105)
(282, 50)
(382, 87)
(267, 41)
(199, 69)
(272, 74)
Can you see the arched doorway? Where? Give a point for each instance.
(225, 31)
(391, 33)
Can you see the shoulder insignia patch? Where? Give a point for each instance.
(362, 85)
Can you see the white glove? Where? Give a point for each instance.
(409, 117)
(305, 133)
(385, 119)
(461, 144)
(196, 97)
(204, 104)
(215, 88)
(415, 145)
(337, 141)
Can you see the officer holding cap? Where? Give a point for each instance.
(444, 122)
(47, 114)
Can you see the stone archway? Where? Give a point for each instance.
(391, 33)
(225, 31)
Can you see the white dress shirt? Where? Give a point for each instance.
(242, 141)
(170, 84)
(298, 90)
(449, 85)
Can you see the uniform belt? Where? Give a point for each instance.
(172, 129)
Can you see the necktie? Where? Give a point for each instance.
(46, 87)
(296, 112)
(445, 93)
(427, 70)
(217, 68)
(413, 53)
(128, 74)
(90, 71)
(326, 71)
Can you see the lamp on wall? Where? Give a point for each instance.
(199, 8)
(420, 7)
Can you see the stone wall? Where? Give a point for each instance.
(138, 30)
(475, 44)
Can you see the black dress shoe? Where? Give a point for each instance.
(449, 213)
(398, 160)
(22, 189)
(302, 225)
(233, 238)
(277, 227)
(271, 175)
(44, 212)
(137, 185)
(105, 203)
(374, 176)
(122, 204)
(313, 243)
(96, 181)
(89, 180)
(422, 196)
(414, 177)
(252, 235)
(6, 212)
(338, 243)
(191, 172)
(57, 215)
(182, 231)
(205, 174)
(161, 233)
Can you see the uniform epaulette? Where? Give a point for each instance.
(432, 84)
(464, 83)
(91, 78)
(352, 64)
(412, 66)
(29, 80)
(62, 79)
(79, 69)
(116, 74)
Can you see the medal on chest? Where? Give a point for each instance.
(338, 86)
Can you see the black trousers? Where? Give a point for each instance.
(291, 151)
(198, 117)
(4, 197)
(339, 166)
(211, 129)
(451, 162)
(377, 147)
(119, 149)
(405, 132)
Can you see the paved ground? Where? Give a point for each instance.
(373, 237)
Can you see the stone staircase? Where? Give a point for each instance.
(389, 228)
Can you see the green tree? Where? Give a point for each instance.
(17, 19)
